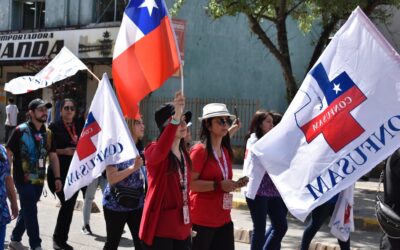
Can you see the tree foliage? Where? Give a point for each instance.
(327, 14)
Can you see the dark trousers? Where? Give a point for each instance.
(64, 217)
(214, 238)
(8, 129)
(260, 208)
(160, 243)
(115, 223)
(318, 217)
(29, 195)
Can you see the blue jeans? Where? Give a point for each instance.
(276, 209)
(2, 235)
(27, 219)
(318, 216)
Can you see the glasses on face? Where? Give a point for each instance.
(68, 108)
(224, 121)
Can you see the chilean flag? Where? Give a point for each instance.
(145, 53)
(85, 146)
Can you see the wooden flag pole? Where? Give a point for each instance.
(93, 74)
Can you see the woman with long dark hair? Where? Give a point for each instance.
(166, 222)
(262, 197)
(212, 184)
(66, 132)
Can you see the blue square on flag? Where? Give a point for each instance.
(146, 14)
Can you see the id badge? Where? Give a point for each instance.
(186, 217)
(227, 201)
(41, 163)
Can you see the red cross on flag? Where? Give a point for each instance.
(105, 140)
(344, 120)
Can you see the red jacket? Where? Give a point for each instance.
(163, 207)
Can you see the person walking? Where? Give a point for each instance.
(166, 222)
(127, 175)
(392, 195)
(7, 190)
(89, 193)
(11, 119)
(66, 134)
(318, 217)
(27, 149)
(262, 197)
(212, 184)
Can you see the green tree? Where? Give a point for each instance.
(261, 14)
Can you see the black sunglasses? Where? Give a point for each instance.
(72, 108)
(224, 121)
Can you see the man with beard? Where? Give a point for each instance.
(27, 150)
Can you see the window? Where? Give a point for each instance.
(32, 13)
(109, 10)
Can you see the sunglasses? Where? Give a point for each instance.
(224, 121)
(67, 108)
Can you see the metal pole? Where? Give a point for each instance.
(115, 10)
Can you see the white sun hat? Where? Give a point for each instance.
(215, 110)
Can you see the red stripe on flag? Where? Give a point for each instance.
(144, 67)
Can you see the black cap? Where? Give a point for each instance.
(37, 103)
(165, 111)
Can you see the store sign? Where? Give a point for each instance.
(85, 43)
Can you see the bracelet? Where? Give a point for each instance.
(175, 122)
(57, 178)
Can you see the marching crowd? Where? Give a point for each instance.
(174, 195)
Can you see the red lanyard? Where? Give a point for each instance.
(72, 133)
(182, 171)
(224, 169)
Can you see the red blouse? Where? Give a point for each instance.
(206, 207)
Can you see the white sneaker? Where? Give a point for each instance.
(16, 245)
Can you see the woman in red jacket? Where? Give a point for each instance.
(166, 223)
(212, 184)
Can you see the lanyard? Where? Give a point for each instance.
(224, 169)
(72, 133)
(182, 171)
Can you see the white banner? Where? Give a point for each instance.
(344, 120)
(105, 140)
(64, 65)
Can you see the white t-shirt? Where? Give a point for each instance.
(12, 112)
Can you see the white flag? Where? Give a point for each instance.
(105, 140)
(342, 220)
(344, 120)
(63, 65)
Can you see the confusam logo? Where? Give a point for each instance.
(335, 122)
(85, 146)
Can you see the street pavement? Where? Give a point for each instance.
(366, 236)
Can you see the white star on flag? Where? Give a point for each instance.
(336, 88)
(149, 4)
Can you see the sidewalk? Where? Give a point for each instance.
(364, 208)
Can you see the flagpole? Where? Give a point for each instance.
(93, 75)
(181, 69)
